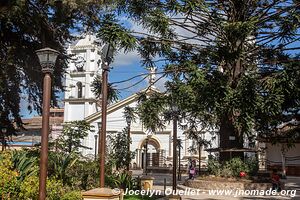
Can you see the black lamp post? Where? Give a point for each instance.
(179, 158)
(3, 131)
(107, 55)
(128, 121)
(174, 109)
(96, 140)
(149, 135)
(47, 58)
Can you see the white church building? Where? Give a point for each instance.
(81, 104)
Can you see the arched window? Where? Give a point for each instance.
(79, 90)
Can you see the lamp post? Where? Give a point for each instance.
(3, 131)
(179, 163)
(96, 140)
(47, 58)
(201, 140)
(128, 121)
(175, 113)
(107, 54)
(149, 135)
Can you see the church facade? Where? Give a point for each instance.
(81, 104)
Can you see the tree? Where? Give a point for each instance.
(230, 62)
(72, 135)
(26, 26)
(120, 152)
(130, 113)
(113, 94)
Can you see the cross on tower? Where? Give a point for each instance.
(152, 71)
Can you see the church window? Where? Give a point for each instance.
(79, 90)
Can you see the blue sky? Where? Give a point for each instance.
(124, 67)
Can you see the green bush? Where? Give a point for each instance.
(236, 165)
(214, 167)
(8, 177)
(73, 195)
(25, 163)
(121, 180)
(30, 188)
(252, 164)
(233, 167)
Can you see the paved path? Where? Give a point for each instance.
(291, 183)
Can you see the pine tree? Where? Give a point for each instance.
(26, 26)
(231, 64)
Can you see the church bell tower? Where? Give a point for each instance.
(83, 67)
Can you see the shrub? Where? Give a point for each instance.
(236, 165)
(30, 188)
(214, 167)
(73, 195)
(233, 167)
(121, 180)
(252, 164)
(8, 177)
(25, 163)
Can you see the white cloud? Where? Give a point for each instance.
(160, 84)
(125, 59)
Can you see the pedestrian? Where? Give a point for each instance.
(275, 179)
(192, 172)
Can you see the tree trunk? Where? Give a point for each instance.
(283, 156)
(229, 139)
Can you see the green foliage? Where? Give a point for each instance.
(214, 167)
(73, 195)
(84, 174)
(130, 113)
(115, 34)
(27, 26)
(252, 164)
(113, 94)
(60, 164)
(8, 177)
(119, 149)
(55, 191)
(73, 133)
(233, 167)
(30, 189)
(122, 180)
(25, 164)
(233, 65)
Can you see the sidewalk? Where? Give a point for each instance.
(291, 183)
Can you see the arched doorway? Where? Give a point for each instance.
(154, 152)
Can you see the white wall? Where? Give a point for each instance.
(274, 153)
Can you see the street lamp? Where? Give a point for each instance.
(174, 109)
(179, 158)
(3, 131)
(96, 140)
(47, 58)
(149, 135)
(97, 143)
(107, 55)
(128, 121)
